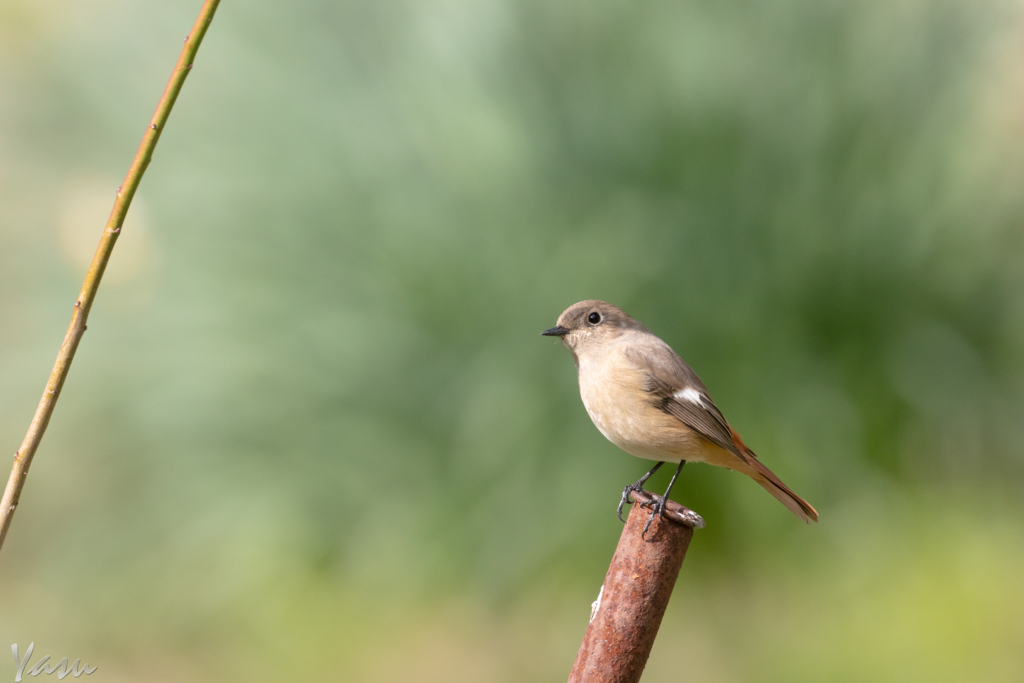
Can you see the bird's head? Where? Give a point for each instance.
(586, 324)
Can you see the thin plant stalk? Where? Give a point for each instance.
(125, 193)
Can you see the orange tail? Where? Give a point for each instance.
(772, 484)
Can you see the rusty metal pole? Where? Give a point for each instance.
(627, 613)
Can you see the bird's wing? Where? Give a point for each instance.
(676, 390)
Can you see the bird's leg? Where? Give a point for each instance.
(660, 503)
(638, 486)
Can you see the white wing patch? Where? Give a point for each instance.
(689, 394)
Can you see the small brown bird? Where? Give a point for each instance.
(647, 401)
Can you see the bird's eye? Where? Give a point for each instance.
(594, 318)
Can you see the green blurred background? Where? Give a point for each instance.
(313, 432)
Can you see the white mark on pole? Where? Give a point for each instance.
(596, 605)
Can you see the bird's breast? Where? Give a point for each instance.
(614, 392)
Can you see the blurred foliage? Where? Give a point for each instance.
(312, 432)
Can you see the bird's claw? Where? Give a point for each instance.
(657, 503)
(625, 499)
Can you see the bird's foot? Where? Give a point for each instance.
(657, 505)
(626, 499)
(637, 487)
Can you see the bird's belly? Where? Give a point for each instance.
(623, 412)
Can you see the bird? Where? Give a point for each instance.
(647, 401)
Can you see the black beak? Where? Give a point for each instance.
(558, 331)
